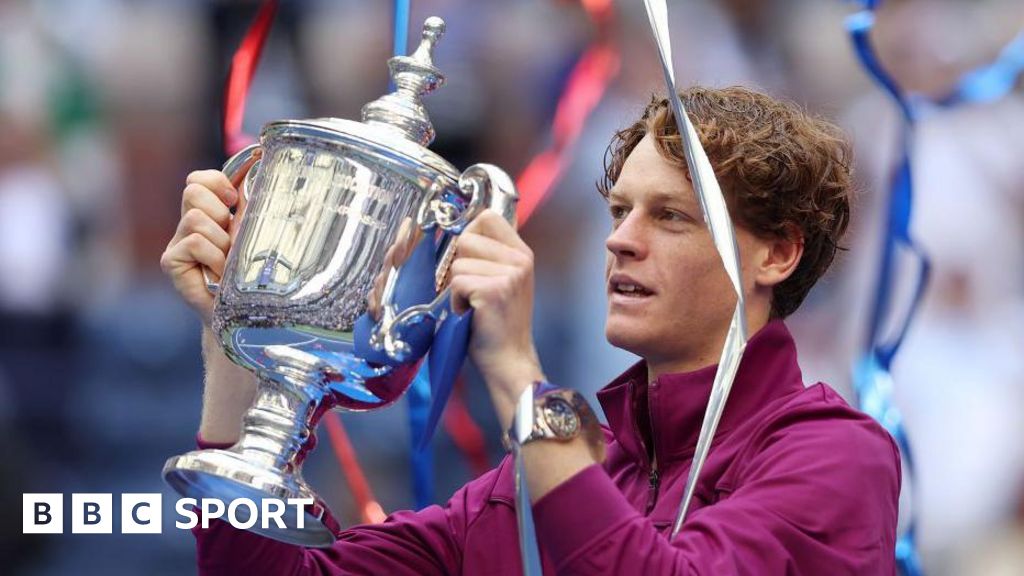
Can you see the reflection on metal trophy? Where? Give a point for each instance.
(327, 224)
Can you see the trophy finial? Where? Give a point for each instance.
(414, 76)
(433, 29)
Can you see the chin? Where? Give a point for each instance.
(628, 338)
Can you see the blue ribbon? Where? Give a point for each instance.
(992, 82)
(401, 28)
(445, 349)
(872, 380)
(872, 374)
(451, 343)
(435, 380)
(419, 395)
(422, 458)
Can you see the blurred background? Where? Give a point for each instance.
(106, 105)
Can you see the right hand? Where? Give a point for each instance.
(203, 237)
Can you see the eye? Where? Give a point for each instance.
(618, 211)
(670, 215)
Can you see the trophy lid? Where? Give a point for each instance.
(414, 76)
(396, 125)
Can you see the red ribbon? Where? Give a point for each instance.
(587, 83)
(243, 68)
(370, 511)
(465, 432)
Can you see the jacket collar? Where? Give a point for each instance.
(677, 402)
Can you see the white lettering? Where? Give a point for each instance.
(141, 513)
(208, 505)
(249, 518)
(92, 513)
(277, 515)
(184, 508)
(42, 514)
(300, 513)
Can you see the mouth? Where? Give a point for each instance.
(625, 287)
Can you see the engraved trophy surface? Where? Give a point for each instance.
(327, 200)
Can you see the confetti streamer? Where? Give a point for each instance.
(872, 378)
(716, 216)
(243, 68)
(585, 87)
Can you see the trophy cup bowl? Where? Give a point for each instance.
(327, 199)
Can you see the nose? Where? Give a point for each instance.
(627, 240)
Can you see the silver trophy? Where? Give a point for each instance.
(335, 210)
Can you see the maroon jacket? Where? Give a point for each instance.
(797, 482)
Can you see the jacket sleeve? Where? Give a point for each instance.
(426, 542)
(814, 499)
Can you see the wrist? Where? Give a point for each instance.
(228, 392)
(560, 438)
(548, 414)
(507, 384)
(211, 346)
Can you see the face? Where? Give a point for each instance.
(669, 298)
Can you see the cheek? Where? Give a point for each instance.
(699, 282)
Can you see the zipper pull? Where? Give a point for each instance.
(652, 495)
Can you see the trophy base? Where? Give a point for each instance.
(225, 475)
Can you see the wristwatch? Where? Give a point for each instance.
(561, 414)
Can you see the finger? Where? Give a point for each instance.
(238, 211)
(200, 197)
(477, 267)
(195, 221)
(407, 239)
(194, 249)
(193, 288)
(471, 291)
(461, 292)
(394, 256)
(491, 224)
(217, 182)
(373, 298)
(373, 306)
(473, 245)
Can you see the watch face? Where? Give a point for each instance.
(561, 417)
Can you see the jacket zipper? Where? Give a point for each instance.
(653, 480)
(652, 493)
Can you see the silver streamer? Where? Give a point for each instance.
(716, 216)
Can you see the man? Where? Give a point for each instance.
(797, 482)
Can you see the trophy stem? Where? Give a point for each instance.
(277, 430)
(266, 462)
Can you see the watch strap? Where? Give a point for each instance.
(529, 423)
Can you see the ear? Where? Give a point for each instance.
(780, 258)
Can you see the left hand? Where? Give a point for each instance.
(492, 272)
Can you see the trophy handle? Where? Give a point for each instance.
(481, 186)
(240, 170)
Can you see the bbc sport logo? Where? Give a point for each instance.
(142, 513)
